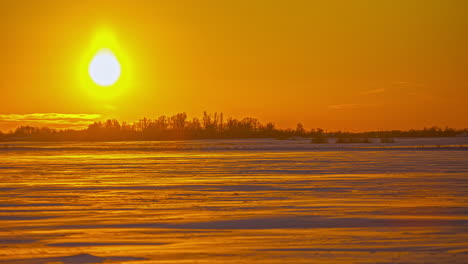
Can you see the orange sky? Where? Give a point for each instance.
(354, 65)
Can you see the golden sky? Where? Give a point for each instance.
(354, 65)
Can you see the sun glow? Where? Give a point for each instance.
(104, 69)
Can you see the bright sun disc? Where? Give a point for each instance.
(104, 68)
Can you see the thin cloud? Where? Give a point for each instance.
(48, 117)
(53, 120)
(350, 106)
(404, 84)
(375, 91)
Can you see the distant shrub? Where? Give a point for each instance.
(319, 140)
(387, 140)
(353, 140)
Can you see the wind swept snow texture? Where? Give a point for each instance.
(234, 201)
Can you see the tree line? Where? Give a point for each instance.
(209, 126)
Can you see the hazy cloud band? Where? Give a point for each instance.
(57, 120)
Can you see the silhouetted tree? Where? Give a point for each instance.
(210, 126)
(300, 131)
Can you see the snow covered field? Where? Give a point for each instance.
(234, 201)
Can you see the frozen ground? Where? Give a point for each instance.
(234, 201)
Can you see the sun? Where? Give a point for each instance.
(104, 68)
